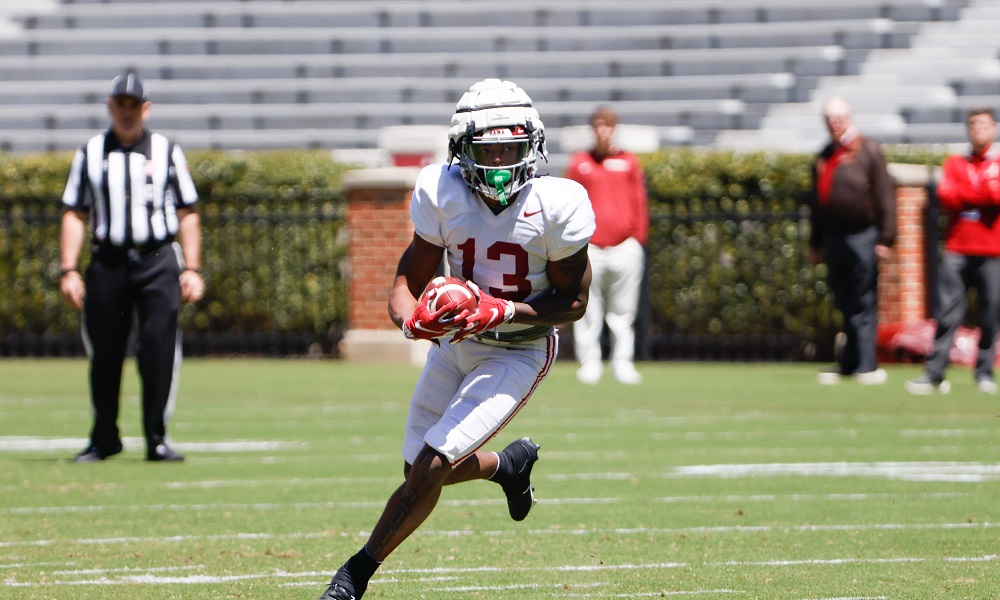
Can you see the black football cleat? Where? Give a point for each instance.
(94, 454)
(519, 491)
(163, 453)
(342, 587)
(336, 592)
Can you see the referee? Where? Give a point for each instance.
(134, 188)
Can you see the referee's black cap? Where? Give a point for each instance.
(130, 85)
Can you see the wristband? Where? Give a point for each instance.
(198, 271)
(65, 272)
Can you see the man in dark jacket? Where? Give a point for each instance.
(853, 227)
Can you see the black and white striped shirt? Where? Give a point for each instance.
(131, 193)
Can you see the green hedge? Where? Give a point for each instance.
(728, 269)
(273, 243)
(727, 249)
(727, 256)
(272, 252)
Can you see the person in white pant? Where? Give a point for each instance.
(616, 185)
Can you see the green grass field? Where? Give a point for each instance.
(707, 481)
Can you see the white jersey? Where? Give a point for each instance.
(505, 254)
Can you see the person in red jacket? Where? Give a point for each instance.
(615, 182)
(969, 193)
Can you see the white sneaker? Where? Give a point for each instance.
(828, 378)
(925, 386)
(876, 377)
(986, 386)
(626, 373)
(589, 373)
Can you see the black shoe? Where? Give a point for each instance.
(342, 587)
(94, 454)
(163, 453)
(336, 592)
(520, 494)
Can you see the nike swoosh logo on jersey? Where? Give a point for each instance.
(531, 214)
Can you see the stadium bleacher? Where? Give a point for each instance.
(334, 73)
(917, 94)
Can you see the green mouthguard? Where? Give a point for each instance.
(497, 179)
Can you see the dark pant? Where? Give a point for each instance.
(956, 274)
(853, 277)
(121, 285)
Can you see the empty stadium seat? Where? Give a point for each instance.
(913, 95)
(261, 73)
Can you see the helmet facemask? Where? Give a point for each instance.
(495, 119)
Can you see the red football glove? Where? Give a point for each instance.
(491, 312)
(425, 324)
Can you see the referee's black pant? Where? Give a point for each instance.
(120, 285)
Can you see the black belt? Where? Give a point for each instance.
(142, 250)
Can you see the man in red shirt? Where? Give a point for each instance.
(617, 188)
(969, 193)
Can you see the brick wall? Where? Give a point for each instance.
(901, 278)
(378, 222)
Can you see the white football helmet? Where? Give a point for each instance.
(496, 112)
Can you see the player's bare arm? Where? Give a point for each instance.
(570, 279)
(417, 266)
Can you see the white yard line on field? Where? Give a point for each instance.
(811, 435)
(37, 564)
(555, 477)
(96, 508)
(956, 472)
(149, 576)
(305, 481)
(246, 459)
(441, 571)
(589, 476)
(256, 483)
(641, 531)
(659, 594)
(948, 433)
(309, 481)
(17, 443)
(128, 570)
(987, 558)
(452, 573)
(827, 561)
(541, 587)
(814, 497)
(517, 586)
(852, 598)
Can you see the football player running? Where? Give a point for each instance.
(520, 241)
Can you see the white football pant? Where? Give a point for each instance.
(469, 391)
(614, 297)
